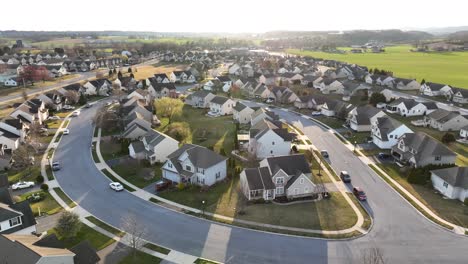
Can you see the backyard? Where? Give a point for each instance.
(451, 210)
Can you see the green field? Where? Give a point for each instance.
(445, 67)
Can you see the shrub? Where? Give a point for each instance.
(45, 187)
(179, 130)
(40, 179)
(294, 149)
(448, 138)
(466, 201)
(180, 186)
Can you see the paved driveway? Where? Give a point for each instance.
(403, 234)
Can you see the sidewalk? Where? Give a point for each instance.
(179, 207)
(456, 228)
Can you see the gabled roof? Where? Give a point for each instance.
(84, 253)
(240, 106)
(219, 100)
(290, 164)
(200, 94)
(153, 138)
(386, 125)
(7, 213)
(224, 78)
(442, 115)
(259, 179)
(455, 176)
(365, 113)
(435, 86)
(425, 146)
(200, 157)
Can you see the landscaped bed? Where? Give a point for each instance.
(156, 248)
(97, 240)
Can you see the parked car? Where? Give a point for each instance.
(54, 117)
(55, 166)
(116, 186)
(316, 113)
(384, 156)
(324, 153)
(212, 114)
(88, 105)
(68, 107)
(76, 113)
(344, 175)
(22, 185)
(162, 185)
(66, 131)
(359, 193)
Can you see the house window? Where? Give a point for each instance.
(279, 180)
(306, 189)
(169, 165)
(296, 191)
(218, 175)
(187, 167)
(301, 181)
(271, 151)
(15, 221)
(438, 158)
(279, 190)
(445, 185)
(273, 143)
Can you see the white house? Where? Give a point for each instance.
(269, 138)
(158, 146)
(199, 99)
(464, 132)
(405, 84)
(410, 107)
(194, 164)
(460, 95)
(221, 105)
(385, 132)
(261, 114)
(451, 182)
(360, 118)
(242, 113)
(226, 83)
(98, 87)
(261, 91)
(435, 89)
(444, 120)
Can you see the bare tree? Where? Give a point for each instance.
(23, 157)
(135, 233)
(72, 97)
(372, 255)
(24, 95)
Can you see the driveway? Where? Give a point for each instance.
(399, 230)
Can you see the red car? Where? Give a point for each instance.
(359, 193)
(161, 185)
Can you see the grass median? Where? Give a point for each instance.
(105, 226)
(64, 197)
(157, 248)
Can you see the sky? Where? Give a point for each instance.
(234, 16)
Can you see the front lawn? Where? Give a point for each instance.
(97, 240)
(111, 149)
(140, 258)
(451, 210)
(47, 206)
(15, 175)
(330, 121)
(225, 199)
(53, 124)
(138, 174)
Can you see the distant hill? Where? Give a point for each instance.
(443, 30)
(459, 36)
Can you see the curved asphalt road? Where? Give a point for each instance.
(400, 231)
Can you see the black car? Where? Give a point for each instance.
(324, 154)
(344, 175)
(55, 166)
(384, 156)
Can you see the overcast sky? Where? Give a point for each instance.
(230, 16)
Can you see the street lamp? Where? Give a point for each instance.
(355, 144)
(203, 207)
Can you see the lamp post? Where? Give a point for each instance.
(203, 207)
(355, 144)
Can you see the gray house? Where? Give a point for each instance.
(419, 150)
(444, 120)
(451, 182)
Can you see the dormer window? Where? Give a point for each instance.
(188, 168)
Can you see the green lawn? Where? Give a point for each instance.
(111, 150)
(204, 261)
(53, 124)
(97, 240)
(64, 197)
(48, 205)
(15, 175)
(225, 199)
(330, 121)
(451, 210)
(206, 131)
(136, 173)
(156, 248)
(105, 226)
(446, 67)
(140, 258)
(50, 175)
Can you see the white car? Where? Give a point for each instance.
(66, 131)
(22, 185)
(116, 186)
(68, 107)
(76, 113)
(213, 114)
(316, 113)
(54, 118)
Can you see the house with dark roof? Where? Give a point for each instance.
(160, 90)
(360, 118)
(157, 145)
(411, 107)
(48, 249)
(261, 91)
(97, 87)
(182, 77)
(330, 85)
(405, 84)
(268, 138)
(444, 120)
(161, 78)
(290, 174)
(336, 108)
(199, 99)
(256, 183)
(451, 182)
(460, 95)
(193, 164)
(436, 89)
(15, 218)
(242, 113)
(419, 150)
(221, 105)
(385, 132)
(261, 114)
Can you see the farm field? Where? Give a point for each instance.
(447, 67)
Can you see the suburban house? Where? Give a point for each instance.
(199, 99)
(268, 138)
(160, 90)
(136, 126)
(98, 87)
(195, 164)
(261, 114)
(464, 132)
(45, 249)
(182, 77)
(161, 78)
(267, 79)
(451, 182)
(137, 106)
(405, 84)
(436, 89)
(257, 183)
(313, 101)
(360, 118)
(52, 99)
(336, 108)
(328, 86)
(221, 105)
(261, 91)
(419, 150)
(444, 120)
(140, 94)
(460, 95)
(308, 80)
(410, 107)
(282, 94)
(157, 147)
(126, 83)
(33, 110)
(242, 113)
(290, 174)
(349, 88)
(386, 131)
(226, 83)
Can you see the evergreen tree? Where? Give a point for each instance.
(129, 70)
(82, 100)
(119, 75)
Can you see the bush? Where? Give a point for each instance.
(448, 138)
(45, 187)
(466, 201)
(180, 186)
(40, 179)
(179, 130)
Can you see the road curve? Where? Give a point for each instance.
(400, 231)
